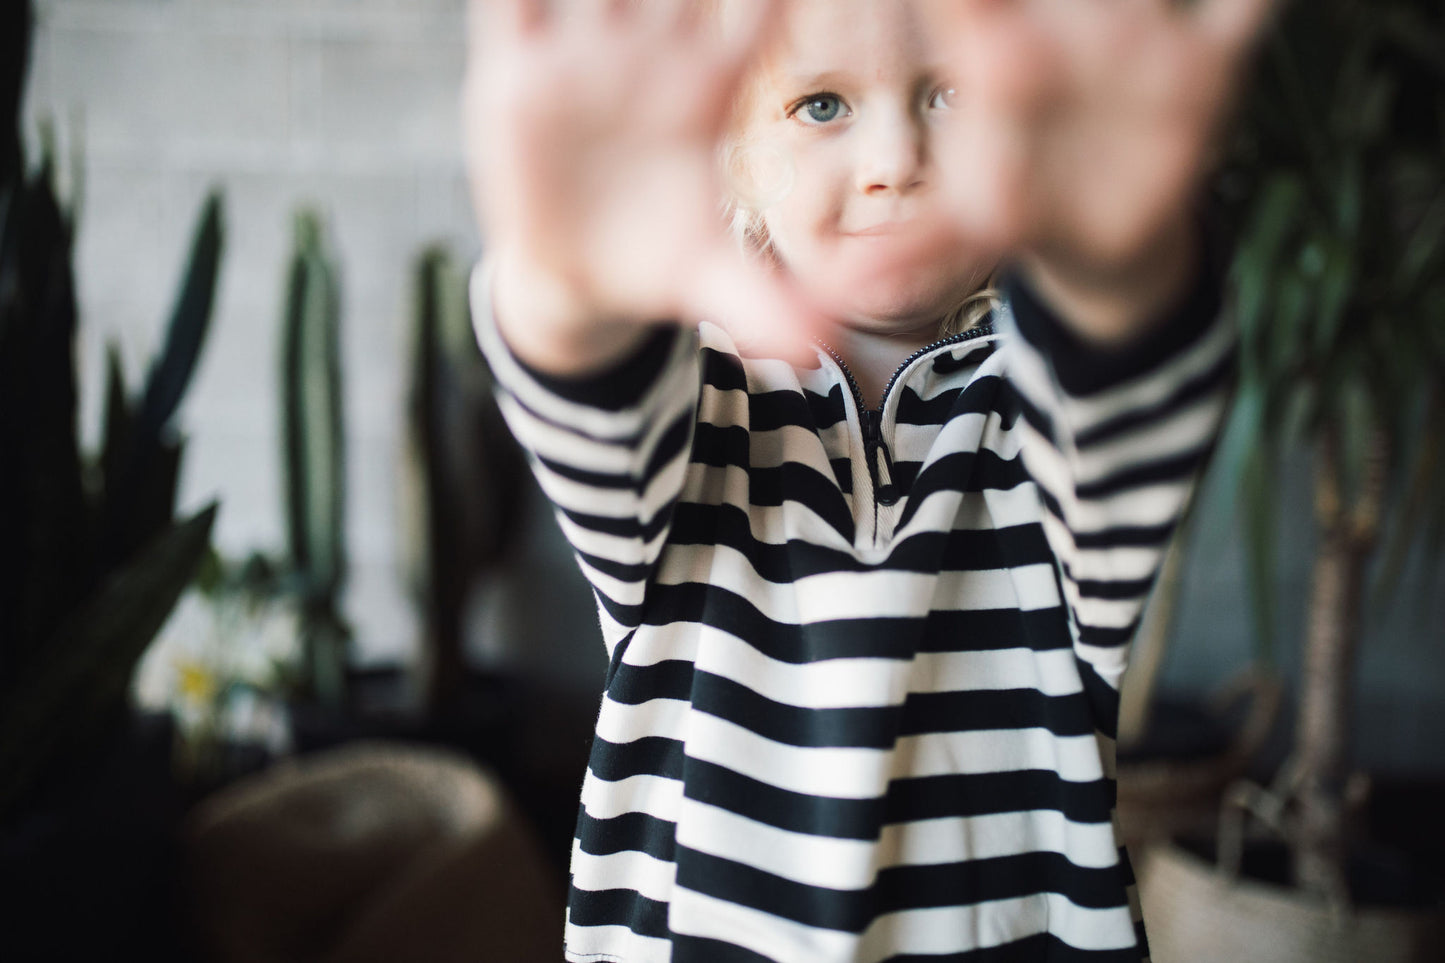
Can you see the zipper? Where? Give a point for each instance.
(885, 492)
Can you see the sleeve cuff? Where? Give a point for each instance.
(617, 387)
(1084, 368)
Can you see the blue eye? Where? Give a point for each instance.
(819, 108)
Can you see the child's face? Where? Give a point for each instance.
(852, 102)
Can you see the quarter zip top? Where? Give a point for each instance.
(875, 446)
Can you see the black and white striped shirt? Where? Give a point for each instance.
(864, 664)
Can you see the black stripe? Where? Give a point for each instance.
(721, 446)
(623, 527)
(827, 409)
(722, 371)
(648, 756)
(907, 800)
(771, 410)
(1120, 591)
(619, 386)
(618, 907)
(620, 612)
(986, 709)
(1176, 468)
(1039, 948)
(698, 949)
(1085, 368)
(670, 444)
(632, 685)
(939, 631)
(794, 481)
(899, 888)
(592, 479)
(1108, 637)
(1117, 536)
(864, 727)
(1207, 382)
(622, 571)
(1103, 699)
(962, 550)
(616, 441)
(798, 812)
(983, 794)
(626, 832)
(965, 471)
(915, 410)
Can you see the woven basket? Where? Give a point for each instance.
(1197, 914)
(374, 853)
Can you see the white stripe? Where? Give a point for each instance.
(654, 795)
(616, 548)
(953, 840)
(852, 773)
(855, 682)
(778, 939)
(597, 944)
(620, 723)
(854, 864)
(877, 593)
(1074, 758)
(1183, 432)
(956, 929)
(628, 869)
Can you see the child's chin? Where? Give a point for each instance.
(905, 306)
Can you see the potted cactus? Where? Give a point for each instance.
(313, 441)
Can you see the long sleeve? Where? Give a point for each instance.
(609, 450)
(1115, 442)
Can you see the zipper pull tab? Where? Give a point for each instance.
(873, 445)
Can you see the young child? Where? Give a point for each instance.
(867, 600)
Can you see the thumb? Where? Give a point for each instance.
(762, 308)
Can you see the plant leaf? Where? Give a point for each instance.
(82, 680)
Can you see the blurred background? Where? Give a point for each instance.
(271, 239)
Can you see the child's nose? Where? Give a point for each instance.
(892, 154)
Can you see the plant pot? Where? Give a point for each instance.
(87, 868)
(1172, 783)
(1194, 912)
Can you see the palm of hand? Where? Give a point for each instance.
(593, 135)
(1082, 126)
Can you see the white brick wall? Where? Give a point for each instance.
(350, 105)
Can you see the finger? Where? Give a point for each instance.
(766, 313)
(1234, 24)
(747, 28)
(671, 17)
(502, 21)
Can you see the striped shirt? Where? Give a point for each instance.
(864, 664)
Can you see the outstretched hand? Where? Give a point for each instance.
(1081, 130)
(592, 133)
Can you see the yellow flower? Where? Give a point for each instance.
(196, 681)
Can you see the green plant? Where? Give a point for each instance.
(313, 438)
(1339, 193)
(464, 469)
(91, 557)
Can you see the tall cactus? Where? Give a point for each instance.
(314, 461)
(465, 472)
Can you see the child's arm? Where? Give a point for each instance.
(1079, 137)
(592, 133)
